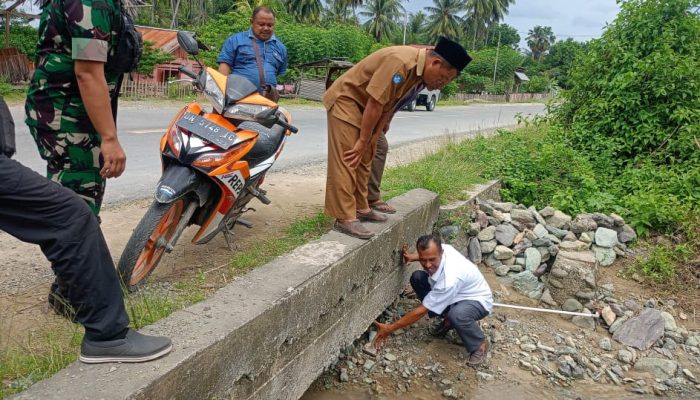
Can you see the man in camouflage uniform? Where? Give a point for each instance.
(68, 104)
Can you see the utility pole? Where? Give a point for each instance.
(405, 19)
(495, 65)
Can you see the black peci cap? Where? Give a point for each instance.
(453, 53)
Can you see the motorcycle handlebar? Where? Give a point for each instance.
(187, 72)
(285, 125)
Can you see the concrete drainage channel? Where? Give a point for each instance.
(271, 333)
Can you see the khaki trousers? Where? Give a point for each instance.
(346, 188)
(378, 163)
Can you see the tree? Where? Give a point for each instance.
(381, 18)
(539, 40)
(481, 14)
(443, 19)
(152, 57)
(509, 36)
(415, 30)
(308, 11)
(561, 59)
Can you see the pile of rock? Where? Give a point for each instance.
(526, 243)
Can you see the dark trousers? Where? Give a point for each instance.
(463, 315)
(378, 163)
(38, 211)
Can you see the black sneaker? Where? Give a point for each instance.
(59, 304)
(134, 348)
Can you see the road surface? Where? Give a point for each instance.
(141, 127)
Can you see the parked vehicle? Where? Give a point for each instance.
(427, 98)
(214, 164)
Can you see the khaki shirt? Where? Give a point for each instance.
(386, 75)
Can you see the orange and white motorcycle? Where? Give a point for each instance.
(213, 164)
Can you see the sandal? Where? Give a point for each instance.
(383, 207)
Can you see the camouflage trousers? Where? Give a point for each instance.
(74, 161)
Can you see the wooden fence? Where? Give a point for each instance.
(142, 88)
(500, 98)
(14, 66)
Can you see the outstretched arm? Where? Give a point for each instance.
(384, 330)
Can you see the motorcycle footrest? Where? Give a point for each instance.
(247, 224)
(263, 199)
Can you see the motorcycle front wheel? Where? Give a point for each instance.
(148, 242)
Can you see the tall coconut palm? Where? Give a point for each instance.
(444, 19)
(481, 14)
(308, 11)
(381, 17)
(337, 11)
(415, 30)
(539, 40)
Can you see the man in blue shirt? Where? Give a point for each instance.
(238, 53)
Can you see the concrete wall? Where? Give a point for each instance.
(269, 334)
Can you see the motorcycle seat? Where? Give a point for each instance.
(269, 140)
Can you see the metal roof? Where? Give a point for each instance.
(521, 76)
(164, 39)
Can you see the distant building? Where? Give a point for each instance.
(166, 41)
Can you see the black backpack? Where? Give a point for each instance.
(7, 130)
(127, 54)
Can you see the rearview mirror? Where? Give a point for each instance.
(188, 43)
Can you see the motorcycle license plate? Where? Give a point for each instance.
(207, 130)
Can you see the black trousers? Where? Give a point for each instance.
(463, 315)
(38, 211)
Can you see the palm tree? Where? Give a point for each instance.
(443, 19)
(381, 17)
(305, 10)
(481, 14)
(539, 40)
(337, 11)
(416, 28)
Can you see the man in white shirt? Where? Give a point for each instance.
(451, 286)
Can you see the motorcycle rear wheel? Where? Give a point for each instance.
(147, 243)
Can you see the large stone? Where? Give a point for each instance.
(587, 323)
(693, 341)
(576, 271)
(669, 321)
(547, 212)
(488, 246)
(533, 258)
(505, 234)
(642, 331)
(547, 299)
(603, 220)
(481, 218)
(583, 223)
(572, 305)
(559, 233)
(605, 237)
(559, 220)
(486, 207)
(659, 367)
(536, 215)
(574, 246)
(540, 231)
(488, 233)
(605, 255)
(502, 207)
(503, 253)
(528, 284)
(524, 217)
(473, 229)
(492, 261)
(586, 238)
(625, 234)
(502, 270)
(474, 251)
(608, 315)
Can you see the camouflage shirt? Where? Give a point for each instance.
(69, 30)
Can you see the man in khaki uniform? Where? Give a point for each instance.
(360, 105)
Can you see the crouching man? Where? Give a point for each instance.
(450, 286)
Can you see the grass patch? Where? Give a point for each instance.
(23, 365)
(298, 101)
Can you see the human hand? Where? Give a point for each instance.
(408, 257)
(114, 158)
(383, 331)
(353, 156)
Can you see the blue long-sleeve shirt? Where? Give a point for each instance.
(239, 54)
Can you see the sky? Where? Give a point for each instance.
(579, 19)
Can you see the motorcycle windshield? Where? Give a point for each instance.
(238, 87)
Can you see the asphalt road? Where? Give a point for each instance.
(141, 127)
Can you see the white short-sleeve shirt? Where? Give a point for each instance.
(455, 280)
